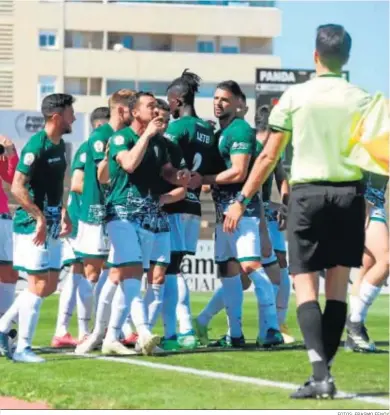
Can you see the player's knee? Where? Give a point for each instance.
(245, 281)
(8, 275)
(92, 269)
(174, 266)
(250, 266)
(282, 259)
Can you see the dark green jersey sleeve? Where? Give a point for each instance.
(176, 133)
(80, 157)
(242, 140)
(97, 145)
(29, 156)
(118, 143)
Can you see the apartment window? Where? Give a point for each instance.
(48, 39)
(205, 44)
(229, 44)
(83, 86)
(125, 39)
(155, 87)
(83, 40)
(114, 85)
(46, 86)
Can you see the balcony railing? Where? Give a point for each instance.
(241, 3)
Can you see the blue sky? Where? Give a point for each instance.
(366, 21)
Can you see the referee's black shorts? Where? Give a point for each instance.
(326, 226)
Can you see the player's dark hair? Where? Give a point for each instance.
(100, 113)
(187, 85)
(243, 96)
(333, 44)
(133, 101)
(261, 118)
(162, 105)
(232, 87)
(55, 104)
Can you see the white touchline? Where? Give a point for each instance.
(228, 377)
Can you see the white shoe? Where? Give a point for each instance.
(146, 344)
(89, 344)
(116, 347)
(157, 350)
(27, 356)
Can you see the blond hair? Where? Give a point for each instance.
(120, 97)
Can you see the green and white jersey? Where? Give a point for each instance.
(320, 114)
(93, 198)
(196, 140)
(237, 138)
(44, 163)
(376, 186)
(74, 199)
(135, 196)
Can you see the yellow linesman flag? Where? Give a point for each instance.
(369, 141)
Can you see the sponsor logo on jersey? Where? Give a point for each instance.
(83, 157)
(239, 146)
(54, 160)
(203, 138)
(119, 140)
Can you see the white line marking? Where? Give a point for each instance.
(229, 377)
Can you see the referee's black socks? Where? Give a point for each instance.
(333, 322)
(310, 321)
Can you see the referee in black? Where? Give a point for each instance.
(326, 212)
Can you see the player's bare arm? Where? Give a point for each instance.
(261, 169)
(235, 174)
(77, 181)
(177, 177)
(173, 196)
(282, 182)
(20, 192)
(129, 160)
(103, 173)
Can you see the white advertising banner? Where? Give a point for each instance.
(200, 272)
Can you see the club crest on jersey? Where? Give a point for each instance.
(28, 159)
(99, 146)
(119, 140)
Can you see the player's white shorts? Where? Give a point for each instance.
(69, 255)
(378, 214)
(35, 259)
(277, 237)
(185, 230)
(132, 245)
(92, 241)
(243, 244)
(6, 244)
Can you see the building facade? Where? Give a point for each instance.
(91, 48)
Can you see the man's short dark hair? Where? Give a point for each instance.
(261, 118)
(55, 104)
(333, 44)
(162, 105)
(232, 87)
(100, 113)
(243, 96)
(134, 99)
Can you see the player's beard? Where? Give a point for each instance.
(176, 114)
(67, 129)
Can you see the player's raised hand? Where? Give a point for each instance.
(155, 126)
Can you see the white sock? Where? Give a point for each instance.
(213, 307)
(233, 297)
(183, 308)
(98, 289)
(84, 305)
(170, 305)
(128, 328)
(7, 296)
(265, 302)
(104, 307)
(67, 303)
(11, 316)
(283, 296)
(153, 302)
(367, 295)
(139, 315)
(28, 319)
(126, 291)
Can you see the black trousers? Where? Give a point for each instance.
(326, 226)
